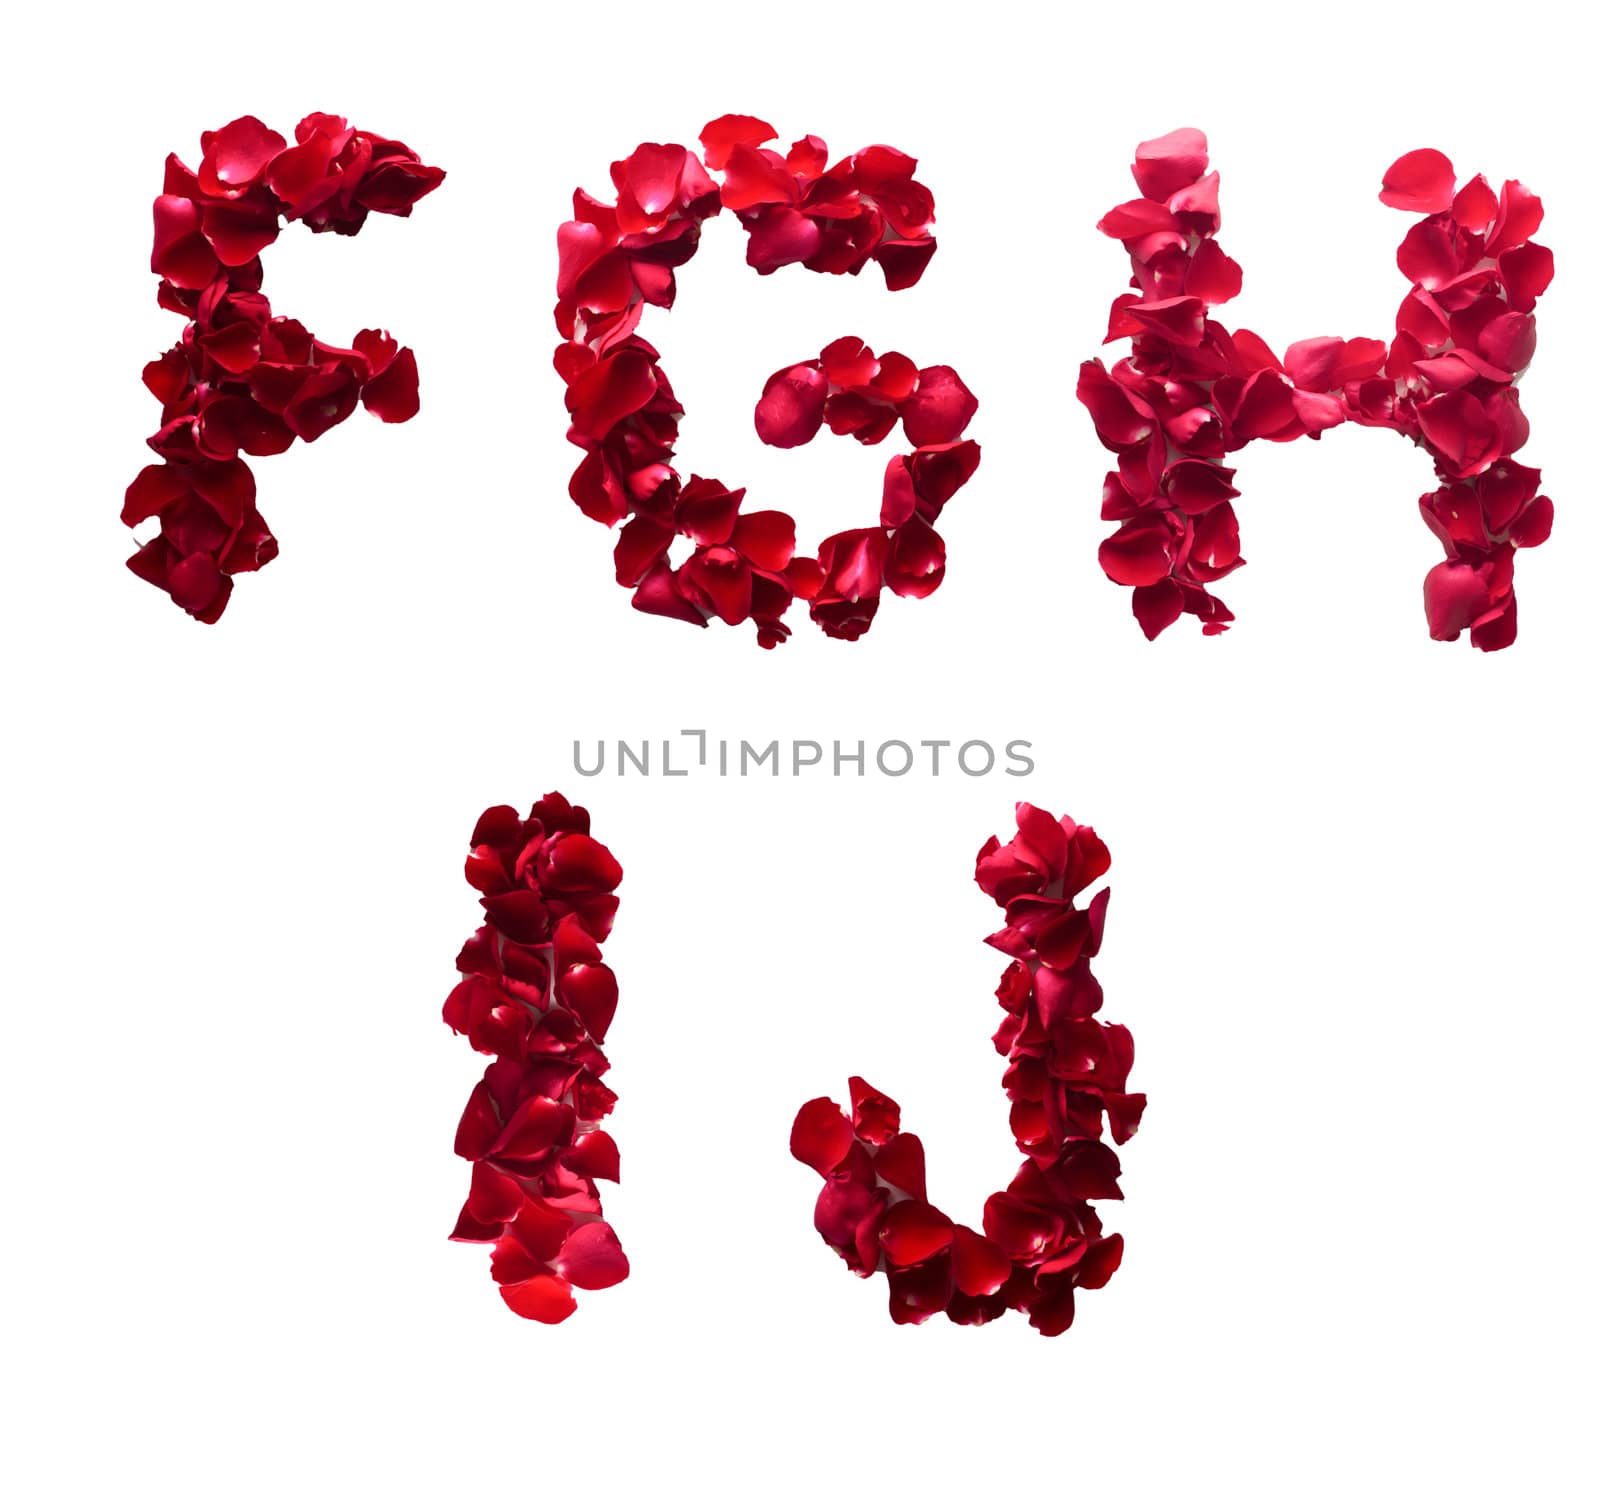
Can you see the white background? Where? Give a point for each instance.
(1354, 869)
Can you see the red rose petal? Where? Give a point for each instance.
(595, 1155)
(766, 539)
(901, 1163)
(913, 1232)
(755, 180)
(874, 1115)
(652, 174)
(1453, 595)
(590, 990)
(940, 409)
(1422, 181)
(545, 1299)
(1168, 163)
(238, 154)
(821, 1135)
(1533, 527)
(728, 131)
(790, 410)
(574, 863)
(611, 391)
(591, 1258)
(980, 1266)
(392, 396)
(915, 565)
(780, 238)
(1138, 554)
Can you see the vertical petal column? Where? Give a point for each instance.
(536, 996)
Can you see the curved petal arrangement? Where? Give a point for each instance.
(536, 996)
(1192, 391)
(797, 209)
(243, 381)
(1066, 1077)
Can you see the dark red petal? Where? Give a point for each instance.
(915, 566)
(392, 396)
(660, 595)
(536, 1125)
(195, 583)
(1157, 606)
(980, 1267)
(790, 410)
(522, 915)
(1051, 1312)
(904, 262)
(479, 1125)
(721, 577)
(875, 1115)
(494, 1198)
(181, 254)
(595, 1155)
(590, 990)
(575, 863)
(1100, 1262)
(642, 545)
(238, 234)
(766, 539)
(821, 1136)
(917, 1293)
(1138, 554)
(912, 1232)
(610, 391)
(153, 489)
(902, 1163)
